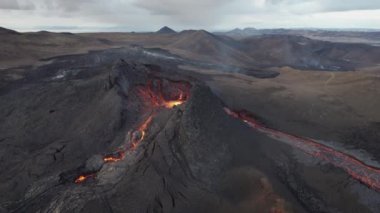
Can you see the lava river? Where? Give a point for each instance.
(366, 174)
(154, 96)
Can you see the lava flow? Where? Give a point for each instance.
(114, 157)
(366, 174)
(83, 178)
(155, 94)
(139, 135)
(136, 137)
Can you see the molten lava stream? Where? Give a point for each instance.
(83, 178)
(139, 135)
(114, 157)
(368, 175)
(120, 154)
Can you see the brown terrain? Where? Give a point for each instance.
(68, 96)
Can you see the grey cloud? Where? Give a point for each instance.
(350, 5)
(307, 6)
(102, 9)
(68, 5)
(183, 14)
(186, 11)
(15, 5)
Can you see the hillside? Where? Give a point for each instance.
(25, 48)
(5, 31)
(368, 37)
(205, 46)
(253, 52)
(275, 51)
(305, 53)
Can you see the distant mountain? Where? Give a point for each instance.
(204, 45)
(242, 33)
(26, 47)
(371, 37)
(165, 30)
(266, 48)
(304, 53)
(275, 50)
(248, 32)
(7, 31)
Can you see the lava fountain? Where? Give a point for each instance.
(366, 174)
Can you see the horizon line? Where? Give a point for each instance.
(92, 29)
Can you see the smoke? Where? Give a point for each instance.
(198, 13)
(318, 6)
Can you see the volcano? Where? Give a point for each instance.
(96, 133)
(165, 154)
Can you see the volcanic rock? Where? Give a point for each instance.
(94, 163)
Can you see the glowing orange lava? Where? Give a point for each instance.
(173, 103)
(175, 94)
(83, 178)
(119, 155)
(366, 174)
(140, 133)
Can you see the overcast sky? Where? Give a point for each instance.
(150, 15)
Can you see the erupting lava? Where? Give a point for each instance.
(169, 95)
(368, 175)
(171, 104)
